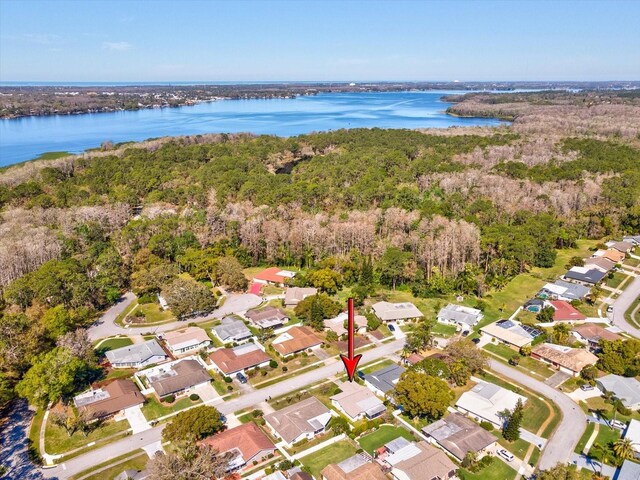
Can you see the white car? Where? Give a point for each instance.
(506, 455)
(610, 309)
(618, 424)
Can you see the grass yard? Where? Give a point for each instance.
(598, 404)
(153, 408)
(115, 373)
(498, 470)
(322, 392)
(57, 441)
(139, 462)
(585, 437)
(335, 453)
(154, 313)
(113, 343)
(383, 435)
(605, 437)
(377, 366)
(442, 330)
(632, 262)
(518, 448)
(294, 365)
(532, 366)
(617, 279)
(120, 318)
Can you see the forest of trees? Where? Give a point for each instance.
(432, 213)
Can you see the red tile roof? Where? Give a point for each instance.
(227, 360)
(564, 311)
(271, 275)
(247, 438)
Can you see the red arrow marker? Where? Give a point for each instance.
(351, 362)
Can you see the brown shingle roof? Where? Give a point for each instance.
(228, 361)
(293, 421)
(187, 374)
(247, 438)
(367, 471)
(266, 314)
(459, 435)
(123, 393)
(575, 359)
(594, 333)
(301, 339)
(429, 464)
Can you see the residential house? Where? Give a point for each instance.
(458, 436)
(585, 275)
(633, 433)
(623, 247)
(565, 312)
(357, 402)
(337, 323)
(269, 317)
(629, 471)
(231, 361)
(634, 239)
(463, 317)
(294, 295)
(275, 276)
(396, 312)
(232, 330)
(511, 333)
(357, 467)
(418, 461)
(247, 442)
(382, 382)
(591, 335)
(177, 377)
(304, 419)
(137, 356)
(566, 359)
(186, 340)
(486, 401)
(295, 340)
(562, 290)
(600, 263)
(625, 389)
(110, 399)
(131, 474)
(610, 254)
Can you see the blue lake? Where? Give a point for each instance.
(26, 138)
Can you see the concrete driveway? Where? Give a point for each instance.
(579, 395)
(136, 419)
(206, 392)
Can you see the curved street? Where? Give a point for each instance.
(622, 304)
(105, 326)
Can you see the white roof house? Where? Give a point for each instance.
(486, 400)
(633, 434)
(389, 312)
(231, 330)
(465, 317)
(626, 389)
(186, 340)
(511, 332)
(137, 356)
(357, 401)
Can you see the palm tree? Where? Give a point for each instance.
(623, 448)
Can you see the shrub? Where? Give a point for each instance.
(487, 425)
(285, 369)
(148, 298)
(194, 397)
(228, 379)
(169, 399)
(273, 364)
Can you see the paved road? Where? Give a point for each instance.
(15, 436)
(131, 443)
(562, 443)
(105, 326)
(622, 304)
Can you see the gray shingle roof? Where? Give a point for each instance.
(460, 314)
(629, 471)
(385, 378)
(627, 389)
(232, 329)
(586, 275)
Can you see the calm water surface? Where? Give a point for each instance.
(26, 138)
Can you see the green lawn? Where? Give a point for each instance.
(56, 439)
(605, 437)
(635, 320)
(617, 279)
(443, 330)
(383, 435)
(113, 343)
(498, 470)
(155, 314)
(332, 454)
(585, 437)
(139, 462)
(530, 365)
(153, 408)
(366, 369)
(518, 448)
(115, 373)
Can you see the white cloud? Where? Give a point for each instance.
(116, 46)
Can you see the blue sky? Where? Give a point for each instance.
(183, 40)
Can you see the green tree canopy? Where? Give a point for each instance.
(193, 424)
(422, 395)
(185, 297)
